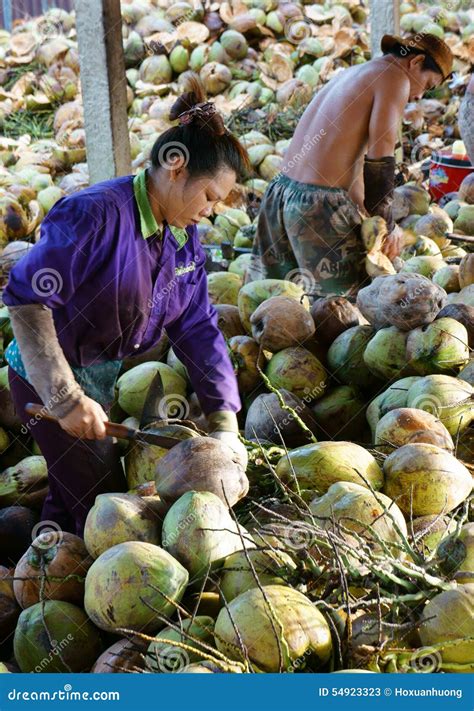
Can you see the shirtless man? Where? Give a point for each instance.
(339, 168)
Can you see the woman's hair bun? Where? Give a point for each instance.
(192, 107)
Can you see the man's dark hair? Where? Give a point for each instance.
(402, 50)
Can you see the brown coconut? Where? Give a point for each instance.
(247, 357)
(466, 270)
(16, 525)
(332, 316)
(201, 464)
(407, 425)
(228, 320)
(466, 189)
(281, 322)
(462, 313)
(9, 612)
(124, 656)
(266, 419)
(54, 555)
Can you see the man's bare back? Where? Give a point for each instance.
(331, 138)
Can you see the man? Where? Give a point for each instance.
(339, 168)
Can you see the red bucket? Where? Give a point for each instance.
(447, 173)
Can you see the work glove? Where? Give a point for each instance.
(224, 427)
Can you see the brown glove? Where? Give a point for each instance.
(379, 178)
(45, 364)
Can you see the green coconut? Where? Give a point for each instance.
(447, 617)
(217, 53)
(340, 414)
(54, 636)
(277, 625)
(435, 225)
(174, 362)
(131, 584)
(315, 467)
(48, 197)
(117, 518)
(423, 247)
(464, 222)
(13, 220)
(308, 74)
(426, 265)
(240, 264)
(406, 425)
(179, 59)
(456, 554)
(429, 531)
(234, 43)
(223, 288)
(425, 480)
(385, 354)
(449, 399)
(156, 69)
(465, 296)
(140, 462)
(25, 483)
(447, 278)
(199, 57)
(133, 387)
(452, 208)
(375, 517)
(164, 657)
(297, 370)
(244, 570)
(215, 76)
(410, 199)
(346, 356)
(252, 294)
(440, 347)
(200, 532)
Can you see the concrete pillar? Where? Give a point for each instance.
(384, 19)
(103, 82)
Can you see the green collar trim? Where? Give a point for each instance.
(148, 223)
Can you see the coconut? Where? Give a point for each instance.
(55, 637)
(156, 70)
(131, 585)
(464, 222)
(424, 265)
(277, 625)
(423, 247)
(165, 657)
(248, 359)
(456, 554)
(234, 44)
(410, 199)
(281, 322)
(297, 370)
(467, 373)
(355, 508)
(25, 483)
(240, 264)
(346, 356)
(48, 197)
(440, 347)
(266, 419)
(449, 399)
(230, 221)
(13, 219)
(447, 278)
(217, 53)
(140, 461)
(435, 226)
(216, 77)
(466, 271)
(16, 525)
(117, 518)
(174, 362)
(201, 464)
(407, 425)
(340, 414)
(228, 320)
(425, 479)
(200, 532)
(465, 296)
(385, 354)
(9, 612)
(244, 570)
(315, 467)
(224, 288)
(429, 531)
(52, 558)
(466, 189)
(179, 59)
(371, 630)
(133, 386)
(447, 617)
(402, 300)
(333, 315)
(254, 293)
(123, 656)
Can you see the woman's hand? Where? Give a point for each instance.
(393, 243)
(86, 420)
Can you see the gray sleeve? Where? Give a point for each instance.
(45, 364)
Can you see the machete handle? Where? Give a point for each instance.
(113, 429)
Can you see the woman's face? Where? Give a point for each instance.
(191, 199)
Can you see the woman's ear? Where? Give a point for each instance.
(416, 62)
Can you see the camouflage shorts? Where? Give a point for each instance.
(466, 123)
(309, 233)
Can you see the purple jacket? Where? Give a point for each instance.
(114, 284)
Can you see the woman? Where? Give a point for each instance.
(116, 264)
